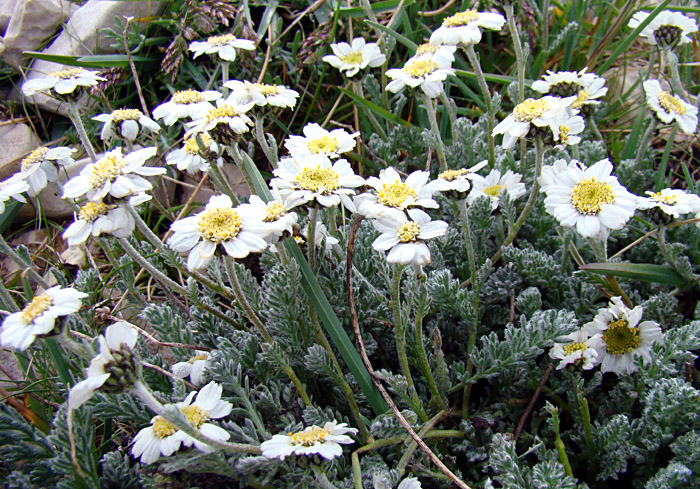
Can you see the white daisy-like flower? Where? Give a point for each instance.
(574, 349)
(317, 179)
(618, 336)
(188, 158)
(13, 188)
(62, 82)
(207, 405)
(493, 184)
(541, 113)
(405, 238)
(96, 218)
(325, 441)
(129, 122)
(441, 53)
(393, 196)
(160, 438)
(465, 27)
(567, 127)
(185, 104)
(39, 316)
(586, 87)
(276, 214)
(319, 141)
(410, 483)
(355, 57)
(261, 94)
(549, 173)
(456, 180)
(669, 108)
(426, 71)
(674, 202)
(114, 370)
(114, 174)
(192, 368)
(240, 233)
(591, 199)
(666, 29)
(227, 114)
(225, 46)
(40, 166)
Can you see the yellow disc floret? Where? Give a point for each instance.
(589, 195)
(201, 356)
(266, 90)
(581, 99)
(671, 103)
(530, 109)
(163, 428)
(222, 111)
(126, 115)
(309, 437)
(450, 175)
(461, 18)
(39, 305)
(185, 97)
(221, 40)
(219, 224)
(274, 211)
(664, 199)
(574, 347)
(620, 338)
(34, 157)
(420, 67)
(106, 170)
(318, 179)
(395, 194)
(354, 58)
(195, 415)
(426, 48)
(69, 73)
(323, 145)
(92, 210)
(493, 190)
(408, 232)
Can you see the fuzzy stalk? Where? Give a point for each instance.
(450, 107)
(311, 236)
(220, 178)
(676, 83)
(7, 249)
(425, 365)
(519, 54)
(6, 299)
(270, 151)
(408, 454)
(644, 143)
(359, 91)
(224, 76)
(321, 478)
(559, 444)
(476, 67)
(74, 115)
(435, 129)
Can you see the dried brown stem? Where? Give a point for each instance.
(521, 423)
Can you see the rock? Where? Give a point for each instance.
(32, 23)
(6, 9)
(52, 205)
(17, 141)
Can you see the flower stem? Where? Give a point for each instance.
(14, 256)
(321, 478)
(435, 129)
(311, 237)
(359, 91)
(517, 44)
(676, 83)
(427, 372)
(451, 113)
(644, 143)
(221, 179)
(224, 76)
(269, 150)
(476, 66)
(559, 444)
(74, 116)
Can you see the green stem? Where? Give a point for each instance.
(644, 143)
(270, 151)
(427, 371)
(661, 173)
(7, 249)
(545, 25)
(321, 478)
(6, 299)
(587, 427)
(224, 76)
(451, 113)
(594, 127)
(559, 444)
(221, 179)
(435, 129)
(357, 88)
(406, 457)
(476, 67)
(517, 44)
(676, 83)
(74, 116)
(311, 236)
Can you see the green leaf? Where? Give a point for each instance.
(646, 272)
(377, 8)
(101, 61)
(375, 108)
(491, 77)
(8, 216)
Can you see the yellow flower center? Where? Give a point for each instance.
(192, 145)
(394, 194)
(581, 99)
(163, 428)
(589, 195)
(530, 109)
(36, 308)
(106, 169)
(461, 18)
(219, 224)
(267, 90)
(620, 338)
(126, 115)
(671, 103)
(69, 73)
(354, 58)
(408, 232)
(274, 211)
(426, 48)
(318, 179)
(221, 40)
(34, 157)
(564, 133)
(195, 415)
(189, 96)
(450, 175)
(222, 111)
(574, 347)
(493, 190)
(664, 199)
(309, 437)
(420, 68)
(323, 145)
(201, 356)
(92, 210)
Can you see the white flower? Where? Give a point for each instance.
(192, 368)
(319, 141)
(565, 129)
(427, 72)
(666, 29)
(313, 440)
(456, 180)
(405, 238)
(96, 218)
(493, 184)
(218, 224)
(129, 122)
(114, 174)
(673, 202)
(586, 87)
(618, 336)
(441, 53)
(575, 349)
(185, 104)
(115, 357)
(207, 405)
(410, 483)
(40, 166)
(540, 112)
(39, 316)
(225, 46)
(276, 214)
(225, 113)
(316, 178)
(464, 27)
(261, 94)
(188, 157)
(62, 82)
(590, 199)
(355, 57)
(12, 188)
(394, 196)
(161, 438)
(669, 108)
(549, 173)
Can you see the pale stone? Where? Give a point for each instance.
(6, 9)
(52, 205)
(17, 141)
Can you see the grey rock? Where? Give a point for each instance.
(6, 9)
(16, 141)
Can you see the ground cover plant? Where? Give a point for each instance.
(364, 245)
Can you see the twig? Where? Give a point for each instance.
(435, 13)
(267, 53)
(519, 428)
(152, 339)
(169, 374)
(134, 73)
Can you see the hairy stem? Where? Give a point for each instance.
(435, 129)
(517, 44)
(476, 66)
(74, 116)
